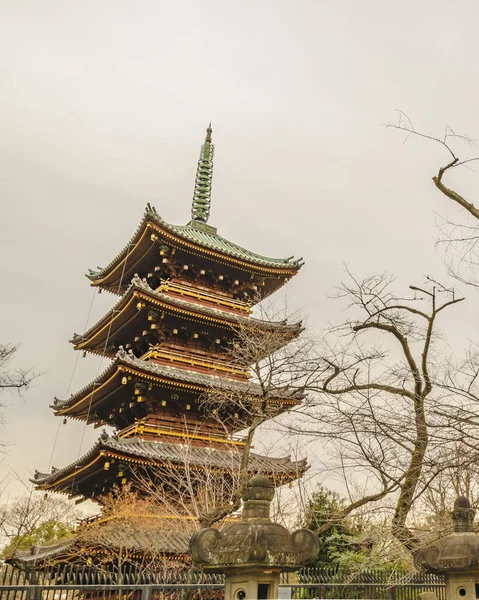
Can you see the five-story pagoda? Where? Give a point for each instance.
(184, 293)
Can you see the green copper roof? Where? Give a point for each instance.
(197, 231)
(206, 236)
(202, 235)
(200, 211)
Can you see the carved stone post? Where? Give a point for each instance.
(254, 551)
(455, 556)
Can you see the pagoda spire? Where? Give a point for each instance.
(200, 210)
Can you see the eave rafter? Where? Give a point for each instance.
(84, 402)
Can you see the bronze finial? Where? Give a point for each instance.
(463, 515)
(255, 540)
(209, 131)
(200, 210)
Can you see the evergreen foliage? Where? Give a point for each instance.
(324, 507)
(351, 545)
(48, 532)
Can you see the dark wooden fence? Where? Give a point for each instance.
(64, 582)
(83, 575)
(364, 583)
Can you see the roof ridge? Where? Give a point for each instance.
(57, 403)
(58, 472)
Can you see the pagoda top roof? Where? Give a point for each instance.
(172, 453)
(182, 376)
(201, 236)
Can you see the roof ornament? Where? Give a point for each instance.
(255, 542)
(121, 352)
(150, 210)
(456, 552)
(200, 210)
(463, 515)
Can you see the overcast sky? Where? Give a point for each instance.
(103, 107)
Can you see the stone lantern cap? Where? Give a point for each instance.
(457, 551)
(255, 541)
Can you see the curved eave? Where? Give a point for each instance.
(117, 318)
(281, 470)
(83, 402)
(153, 224)
(39, 554)
(160, 541)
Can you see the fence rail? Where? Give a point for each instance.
(65, 582)
(112, 592)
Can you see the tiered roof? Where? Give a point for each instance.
(206, 239)
(139, 451)
(196, 238)
(124, 313)
(84, 402)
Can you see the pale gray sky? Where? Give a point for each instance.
(103, 107)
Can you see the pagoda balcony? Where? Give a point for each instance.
(204, 295)
(199, 435)
(144, 317)
(201, 363)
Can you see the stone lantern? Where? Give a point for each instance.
(254, 551)
(455, 556)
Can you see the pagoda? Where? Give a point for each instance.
(184, 293)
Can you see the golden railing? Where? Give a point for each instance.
(173, 356)
(142, 427)
(203, 295)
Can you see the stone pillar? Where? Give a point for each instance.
(254, 551)
(252, 584)
(456, 556)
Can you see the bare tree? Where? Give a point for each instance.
(378, 403)
(206, 493)
(430, 518)
(459, 241)
(131, 530)
(11, 379)
(379, 408)
(193, 495)
(16, 379)
(34, 517)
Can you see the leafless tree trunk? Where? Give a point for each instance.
(376, 404)
(17, 379)
(275, 359)
(20, 518)
(459, 241)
